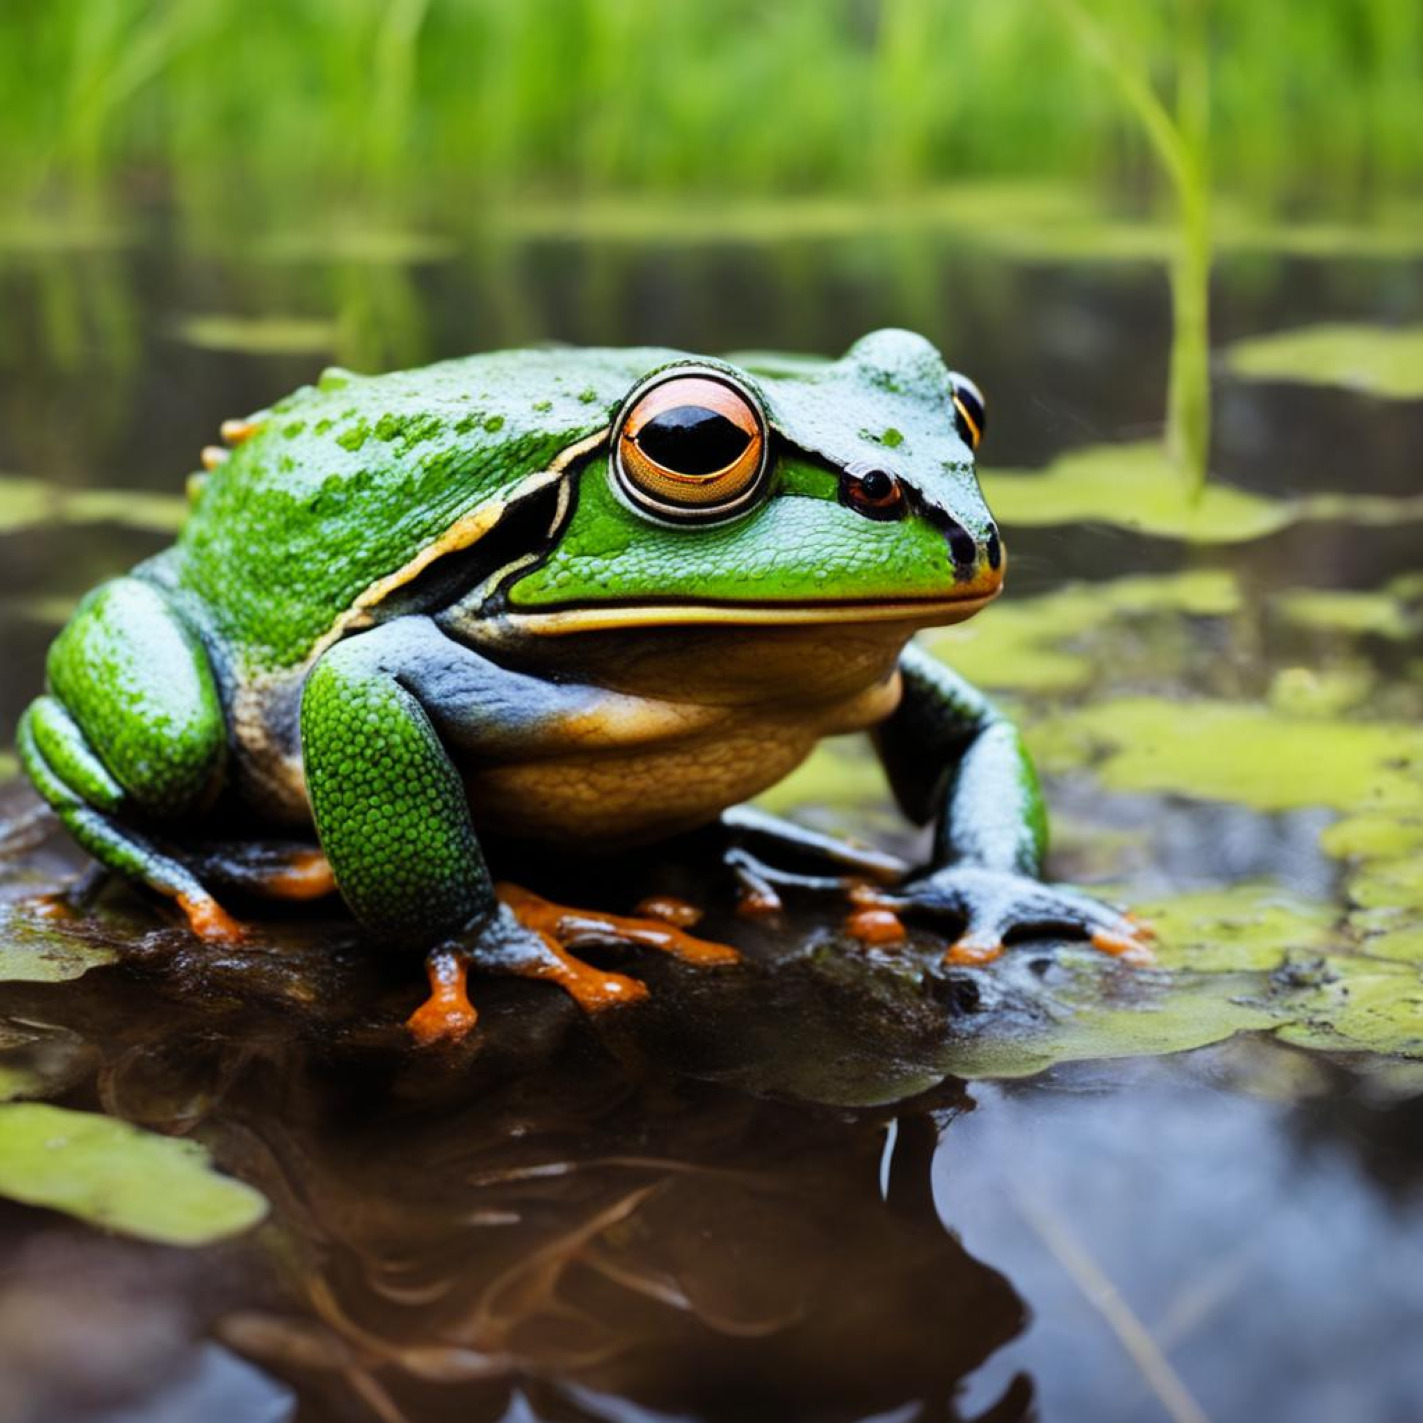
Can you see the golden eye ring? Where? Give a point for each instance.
(690, 446)
(970, 409)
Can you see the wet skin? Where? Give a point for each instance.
(585, 599)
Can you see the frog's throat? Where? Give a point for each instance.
(922, 612)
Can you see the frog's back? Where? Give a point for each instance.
(346, 485)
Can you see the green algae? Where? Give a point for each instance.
(1225, 967)
(120, 1178)
(1320, 974)
(1321, 691)
(1240, 752)
(1036, 644)
(1361, 1007)
(1386, 362)
(1088, 1020)
(1032, 220)
(1357, 614)
(1135, 486)
(1246, 927)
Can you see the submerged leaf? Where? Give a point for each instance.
(36, 949)
(117, 1177)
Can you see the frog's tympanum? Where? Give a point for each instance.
(587, 599)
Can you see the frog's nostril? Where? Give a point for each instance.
(962, 549)
(994, 548)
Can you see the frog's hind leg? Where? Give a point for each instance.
(70, 778)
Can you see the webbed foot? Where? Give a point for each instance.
(530, 937)
(564, 928)
(991, 905)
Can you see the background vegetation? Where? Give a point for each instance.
(238, 107)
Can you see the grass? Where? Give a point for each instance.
(456, 105)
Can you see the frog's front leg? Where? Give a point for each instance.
(130, 732)
(378, 713)
(952, 758)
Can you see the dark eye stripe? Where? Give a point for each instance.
(690, 439)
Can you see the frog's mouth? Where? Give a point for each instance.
(609, 617)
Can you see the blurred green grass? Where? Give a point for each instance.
(237, 113)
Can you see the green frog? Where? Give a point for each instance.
(586, 599)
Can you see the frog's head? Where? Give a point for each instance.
(775, 491)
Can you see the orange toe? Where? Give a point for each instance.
(874, 927)
(757, 902)
(446, 1015)
(51, 906)
(306, 875)
(868, 896)
(1121, 946)
(209, 920)
(592, 989)
(555, 925)
(574, 926)
(975, 948)
(669, 910)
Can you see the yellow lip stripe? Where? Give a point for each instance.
(927, 612)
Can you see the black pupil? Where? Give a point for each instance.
(876, 485)
(690, 439)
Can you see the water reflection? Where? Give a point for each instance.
(585, 1232)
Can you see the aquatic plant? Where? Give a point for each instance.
(1181, 144)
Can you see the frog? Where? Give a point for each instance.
(580, 599)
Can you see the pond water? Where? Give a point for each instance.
(838, 1184)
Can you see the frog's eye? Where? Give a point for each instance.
(969, 409)
(691, 447)
(873, 492)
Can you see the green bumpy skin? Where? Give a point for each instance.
(390, 807)
(348, 480)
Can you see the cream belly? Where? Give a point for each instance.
(617, 799)
(693, 721)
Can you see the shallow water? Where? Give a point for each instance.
(822, 1186)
